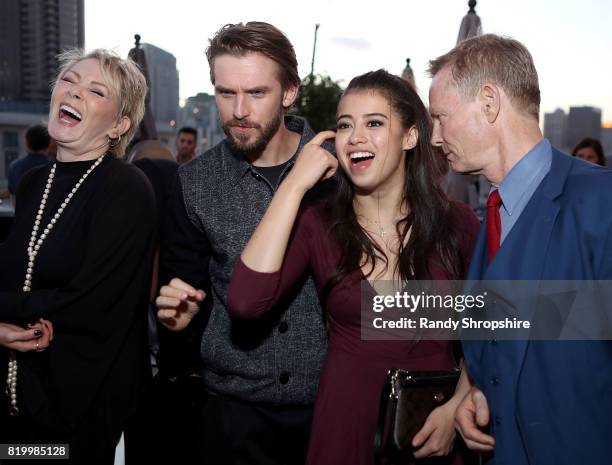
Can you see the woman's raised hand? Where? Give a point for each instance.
(314, 163)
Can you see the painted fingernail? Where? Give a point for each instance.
(37, 332)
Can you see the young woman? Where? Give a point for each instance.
(590, 149)
(388, 220)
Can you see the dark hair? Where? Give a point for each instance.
(430, 215)
(37, 138)
(256, 37)
(595, 145)
(188, 130)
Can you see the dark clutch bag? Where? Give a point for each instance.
(407, 398)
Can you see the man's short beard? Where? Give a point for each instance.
(254, 149)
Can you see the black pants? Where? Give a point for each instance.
(241, 433)
(167, 428)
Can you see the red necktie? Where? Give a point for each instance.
(493, 224)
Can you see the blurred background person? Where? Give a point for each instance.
(79, 255)
(156, 161)
(171, 412)
(186, 142)
(590, 149)
(37, 143)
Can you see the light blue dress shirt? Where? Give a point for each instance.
(521, 182)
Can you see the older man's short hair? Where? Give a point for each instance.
(499, 60)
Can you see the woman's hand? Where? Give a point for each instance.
(265, 251)
(437, 436)
(313, 164)
(36, 337)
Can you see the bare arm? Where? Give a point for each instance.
(437, 436)
(265, 250)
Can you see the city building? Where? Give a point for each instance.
(555, 125)
(606, 141)
(32, 34)
(164, 84)
(582, 122)
(200, 112)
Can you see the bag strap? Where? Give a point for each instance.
(385, 395)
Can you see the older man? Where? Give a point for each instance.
(533, 402)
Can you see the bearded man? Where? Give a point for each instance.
(261, 380)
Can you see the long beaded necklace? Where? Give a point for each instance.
(33, 248)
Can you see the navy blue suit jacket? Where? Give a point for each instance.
(561, 391)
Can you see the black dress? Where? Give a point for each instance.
(91, 280)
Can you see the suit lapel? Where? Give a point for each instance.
(523, 254)
(478, 264)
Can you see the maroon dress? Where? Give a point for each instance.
(347, 402)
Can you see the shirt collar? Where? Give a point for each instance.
(292, 123)
(517, 181)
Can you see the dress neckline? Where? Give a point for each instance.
(69, 167)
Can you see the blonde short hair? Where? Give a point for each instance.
(501, 60)
(126, 80)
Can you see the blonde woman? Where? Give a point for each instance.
(78, 256)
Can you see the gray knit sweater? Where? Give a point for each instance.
(276, 360)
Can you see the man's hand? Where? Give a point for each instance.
(177, 304)
(472, 415)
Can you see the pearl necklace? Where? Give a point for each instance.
(33, 248)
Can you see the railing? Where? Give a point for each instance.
(6, 209)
